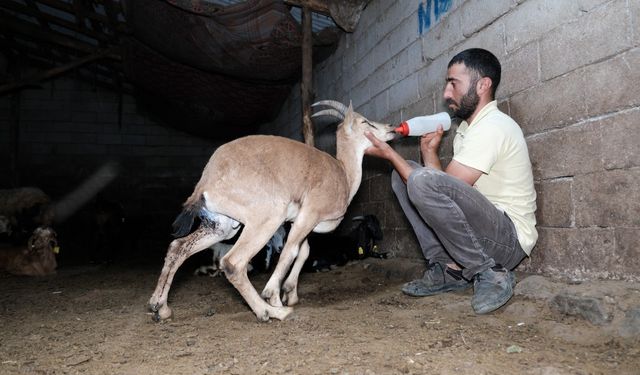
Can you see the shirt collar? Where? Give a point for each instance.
(489, 107)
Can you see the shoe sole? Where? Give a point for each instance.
(432, 292)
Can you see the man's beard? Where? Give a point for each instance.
(468, 103)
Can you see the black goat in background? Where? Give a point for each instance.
(332, 250)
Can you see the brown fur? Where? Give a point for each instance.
(37, 258)
(262, 181)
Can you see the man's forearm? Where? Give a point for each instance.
(401, 166)
(431, 160)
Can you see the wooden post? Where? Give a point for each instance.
(306, 85)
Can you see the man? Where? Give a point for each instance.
(475, 220)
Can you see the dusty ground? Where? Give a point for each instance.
(352, 320)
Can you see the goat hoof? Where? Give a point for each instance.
(264, 317)
(154, 307)
(160, 312)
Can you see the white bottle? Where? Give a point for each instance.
(418, 126)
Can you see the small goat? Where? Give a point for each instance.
(37, 258)
(331, 250)
(263, 181)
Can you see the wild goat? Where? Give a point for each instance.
(37, 258)
(263, 181)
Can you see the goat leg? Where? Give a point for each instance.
(290, 286)
(234, 265)
(179, 250)
(299, 231)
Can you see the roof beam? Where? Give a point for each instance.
(29, 30)
(54, 71)
(318, 6)
(33, 11)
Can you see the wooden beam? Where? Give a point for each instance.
(68, 7)
(29, 30)
(54, 71)
(307, 76)
(318, 6)
(50, 19)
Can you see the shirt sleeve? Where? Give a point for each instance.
(480, 148)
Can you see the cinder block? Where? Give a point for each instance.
(80, 150)
(403, 93)
(621, 140)
(612, 84)
(402, 243)
(608, 199)
(432, 77)
(627, 249)
(600, 33)
(477, 15)
(520, 70)
(571, 151)
(441, 37)
(532, 19)
(555, 206)
(635, 20)
(576, 253)
(552, 104)
(492, 39)
(422, 107)
(401, 37)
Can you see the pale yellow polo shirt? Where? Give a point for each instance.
(494, 144)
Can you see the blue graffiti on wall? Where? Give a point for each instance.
(437, 8)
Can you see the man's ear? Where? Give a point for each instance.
(484, 85)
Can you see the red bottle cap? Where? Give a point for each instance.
(402, 129)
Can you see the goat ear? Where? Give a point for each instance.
(348, 119)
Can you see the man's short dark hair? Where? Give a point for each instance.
(482, 62)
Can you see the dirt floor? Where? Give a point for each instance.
(352, 320)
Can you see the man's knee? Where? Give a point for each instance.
(423, 182)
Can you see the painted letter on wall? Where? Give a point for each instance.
(429, 8)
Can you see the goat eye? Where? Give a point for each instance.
(370, 124)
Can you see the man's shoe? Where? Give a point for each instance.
(492, 289)
(438, 278)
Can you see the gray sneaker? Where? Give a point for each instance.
(492, 289)
(438, 278)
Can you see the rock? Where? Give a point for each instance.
(630, 325)
(593, 309)
(537, 287)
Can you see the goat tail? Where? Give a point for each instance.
(183, 223)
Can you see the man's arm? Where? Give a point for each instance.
(467, 174)
(429, 144)
(382, 150)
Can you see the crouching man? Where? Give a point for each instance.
(475, 220)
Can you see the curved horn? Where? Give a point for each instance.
(332, 103)
(329, 112)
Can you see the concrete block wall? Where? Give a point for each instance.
(570, 73)
(69, 129)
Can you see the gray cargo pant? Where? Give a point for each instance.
(455, 223)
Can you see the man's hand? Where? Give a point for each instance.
(383, 150)
(429, 144)
(378, 148)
